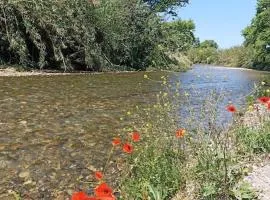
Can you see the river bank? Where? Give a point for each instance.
(11, 71)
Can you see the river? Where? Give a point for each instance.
(54, 129)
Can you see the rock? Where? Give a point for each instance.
(3, 164)
(23, 122)
(259, 178)
(24, 174)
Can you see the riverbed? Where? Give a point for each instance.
(55, 130)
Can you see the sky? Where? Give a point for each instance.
(220, 20)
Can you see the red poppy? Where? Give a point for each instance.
(128, 148)
(268, 106)
(231, 108)
(103, 190)
(98, 175)
(106, 198)
(116, 141)
(180, 133)
(92, 198)
(264, 99)
(136, 136)
(81, 196)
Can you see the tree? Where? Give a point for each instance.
(209, 44)
(257, 36)
(179, 34)
(165, 5)
(87, 34)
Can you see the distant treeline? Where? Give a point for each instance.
(238, 56)
(94, 35)
(254, 53)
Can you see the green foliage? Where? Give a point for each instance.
(178, 35)
(255, 141)
(89, 35)
(209, 44)
(56, 33)
(128, 32)
(238, 56)
(244, 191)
(207, 55)
(155, 174)
(257, 36)
(165, 5)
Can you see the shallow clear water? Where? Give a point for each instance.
(54, 129)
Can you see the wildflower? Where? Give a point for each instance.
(98, 175)
(268, 91)
(116, 141)
(231, 108)
(128, 113)
(145, 76)
(81, 196)
(103, 190)
(136, 136)
(186, 94)
(105, 198)
(263, 83)
(128, 148)
(180, 133)
(250, 108)
(264, 99)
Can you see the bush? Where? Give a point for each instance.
(86, 35)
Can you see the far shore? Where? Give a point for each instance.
(11, 71)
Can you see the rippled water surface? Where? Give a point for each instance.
(54, 129)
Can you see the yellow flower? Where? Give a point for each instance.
(128, 113)
(250, 108)
(263, 83)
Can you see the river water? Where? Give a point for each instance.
(54, 129)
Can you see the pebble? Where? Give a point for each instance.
(24, 174)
